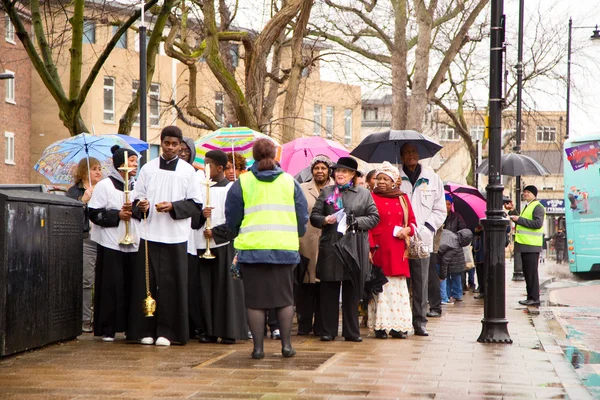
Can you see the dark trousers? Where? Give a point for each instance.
(559, 255)
(435, 298)
(481, 276)
(330, 314)
(419, 279)
(307, 306)
(530, 272)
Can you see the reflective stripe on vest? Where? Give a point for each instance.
(528, 236)
(269, 214)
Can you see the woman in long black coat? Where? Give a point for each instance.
(358, 203)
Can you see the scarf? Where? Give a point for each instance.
(389, 193)
(335, 198)
(412, 175)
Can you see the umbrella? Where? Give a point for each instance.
(137, 144)
(468, 202)
(514, 164)
(231, 140)
(353, 250)
(60, 159)
(304, 175)
(385, 146)
(298, 153)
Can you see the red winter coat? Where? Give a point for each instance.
(390, 254)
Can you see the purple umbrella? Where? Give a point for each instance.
(468, 202)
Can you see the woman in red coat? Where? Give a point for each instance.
(390, 310)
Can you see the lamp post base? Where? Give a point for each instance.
(518, 276)
(494, 330)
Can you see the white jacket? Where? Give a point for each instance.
(428, 202)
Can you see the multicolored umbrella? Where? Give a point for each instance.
(231, 140)
(60, 159)
(137, 144)
(468, 202)
(298, 153)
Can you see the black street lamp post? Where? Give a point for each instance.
(494, 323)
(595, 36)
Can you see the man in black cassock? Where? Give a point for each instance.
(216, 300)
(165, 189)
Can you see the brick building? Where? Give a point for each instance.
(15, 106)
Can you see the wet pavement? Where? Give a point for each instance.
(449, 364)
(575, 306)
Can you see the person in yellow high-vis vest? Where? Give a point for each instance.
(267, 211)
(528, 242)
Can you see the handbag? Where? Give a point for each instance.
(469, 263)
(417, 249)
(235, 269)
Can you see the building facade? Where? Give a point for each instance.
(15, 106)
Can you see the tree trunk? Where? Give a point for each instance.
(399, 68)
(293, 84)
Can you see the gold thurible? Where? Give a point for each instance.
(207, 254)
(127, 239)
(149, 305)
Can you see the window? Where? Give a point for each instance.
(477, 132)
(448, 134)
(10, 88)
(547, 188)
(234, 51)
(511, 133)
(89, 32)
(137, 42)
(347, 126)
(9, 145)
(154, 151)
(329, 122)
(135, 85)
(546, 133)
(109, 99)
(317, 120)
(370, 114)
(154, 104)
(122, 42)
(219, 108)
(9, 32)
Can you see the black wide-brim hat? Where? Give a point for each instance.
(348, 163)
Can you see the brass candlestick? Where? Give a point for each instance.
(127, 240)
(208, 183)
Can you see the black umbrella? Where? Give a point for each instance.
(385, 146)
(304, 175)
(514, 164)
(353, 250)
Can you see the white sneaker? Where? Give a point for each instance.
(162, 341)
(447, 303)
(108, 338)
(276, 334)
(147, 340)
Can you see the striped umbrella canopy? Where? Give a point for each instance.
(232, 140)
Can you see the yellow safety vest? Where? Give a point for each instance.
(269, 214)
(528, 236)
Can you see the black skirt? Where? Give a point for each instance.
(268, 285)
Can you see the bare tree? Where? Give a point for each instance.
(45, 48)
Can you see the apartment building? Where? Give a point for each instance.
(332, 106)
(15, 107)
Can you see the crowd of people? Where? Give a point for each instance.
(192, 228)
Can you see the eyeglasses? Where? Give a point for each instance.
(184, 151)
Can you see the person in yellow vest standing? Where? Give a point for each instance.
(528, 242)
(268, 212)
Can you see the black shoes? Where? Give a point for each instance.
(326, 338)
(227, 341)
(529, 302)
(421, 332)
(353, 339)
(300, 333)
(434, 314)
(398, 335)
(479, 296)
(258, 354)
(288, 352)
(381, 334)
(207, 339)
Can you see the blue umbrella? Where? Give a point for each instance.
(385, 146)
(137, 144)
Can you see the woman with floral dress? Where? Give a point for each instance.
(390, 310)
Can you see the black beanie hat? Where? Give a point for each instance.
(531, 189)
(119, 155)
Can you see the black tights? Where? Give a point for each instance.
(256, 321)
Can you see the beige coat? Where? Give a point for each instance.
(309, 243)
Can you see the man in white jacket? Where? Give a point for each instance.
(426, 192)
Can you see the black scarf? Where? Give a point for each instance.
(412, 175)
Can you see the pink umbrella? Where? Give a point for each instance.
(298, 153)
(468, 202)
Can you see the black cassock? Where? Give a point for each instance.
(216, 300)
